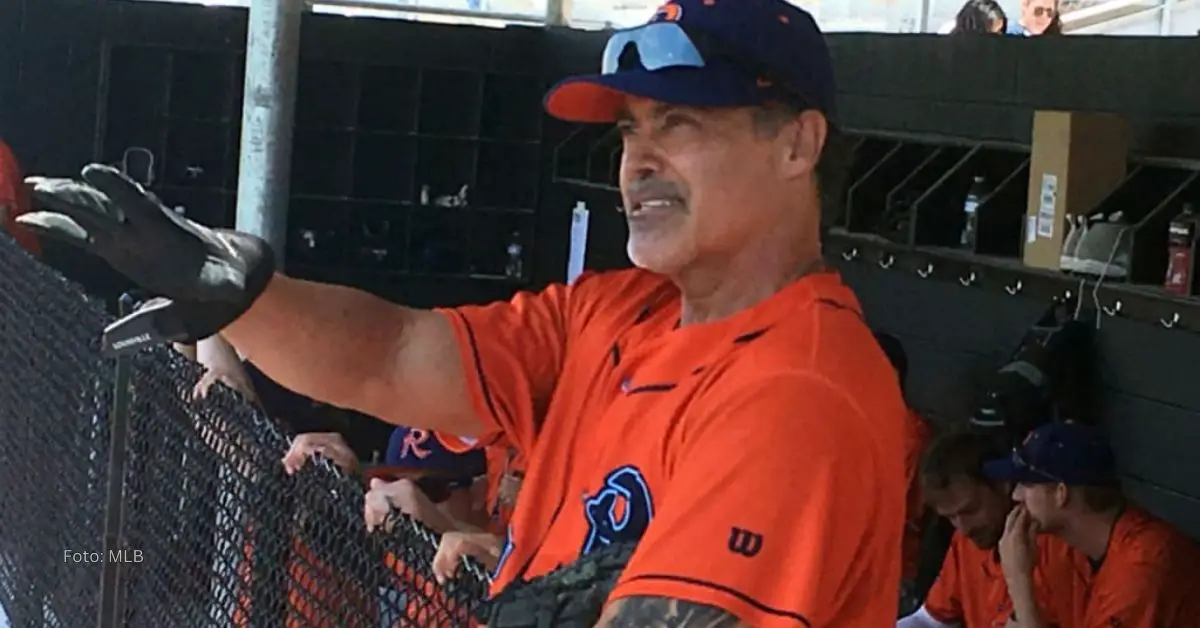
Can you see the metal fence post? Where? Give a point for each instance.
(268, 110)
(112, 606)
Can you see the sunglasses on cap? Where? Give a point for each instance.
(664, 45)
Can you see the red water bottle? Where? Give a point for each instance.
(1180, 237)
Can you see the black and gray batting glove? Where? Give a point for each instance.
(204, 278)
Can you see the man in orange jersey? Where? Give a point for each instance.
(14, 201)
(1132, 570)
(971, 591)
(652, 404)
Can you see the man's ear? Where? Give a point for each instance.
(1062, 495)
(805, 140)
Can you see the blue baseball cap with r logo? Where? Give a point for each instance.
(707, 53)
(421, 449)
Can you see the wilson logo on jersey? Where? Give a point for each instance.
(745, 542)
(620, 511)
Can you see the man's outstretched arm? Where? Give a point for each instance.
(645, 611)
(473, 371)
(354, 350)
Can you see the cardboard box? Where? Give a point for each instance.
(1077, 159)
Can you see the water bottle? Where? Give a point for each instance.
(971, 222)
(514, 266)
(1180, 237)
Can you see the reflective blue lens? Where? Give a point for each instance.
(660, 45)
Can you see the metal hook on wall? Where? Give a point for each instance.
(148, 179)
(886, 261)
(1169, 323)
(925, 272)
(1112, 311)
(1015, 288)
(969, 280)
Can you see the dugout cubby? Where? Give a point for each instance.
(902, 202)
(378, 149)
(384, 165)
(207, 206)
(866, 153)
(443, 168)
(491, 233)
(326, 95)
(322, 162)
(1156, 240)
(438, 242)
(511, 109)
(388, 99)
(938, 212)
(197, 154)
(450, 104)
(1149, 196)
(203, 86)
(176, 114)
(377, 237)
(588, 155)
(507, 176)
(871, 204)
(318, 234)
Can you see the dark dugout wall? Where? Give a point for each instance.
(57, 112)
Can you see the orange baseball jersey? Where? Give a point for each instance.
(918, 435)
(1150, 578)
(426, 602)
(971, 591)
(318, 596)
(759, 459)
(15, 198)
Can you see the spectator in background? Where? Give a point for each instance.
(14, 201)
(1038, 17)
(983, 17)
(1134, 571)
(971, 589)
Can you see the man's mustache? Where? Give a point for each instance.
(649, 188)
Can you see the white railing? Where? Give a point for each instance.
(1112, 16)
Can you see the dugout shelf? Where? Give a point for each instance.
(381, 157)
(1149, 196)
(938, 218)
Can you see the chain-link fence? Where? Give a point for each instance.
(202, 528)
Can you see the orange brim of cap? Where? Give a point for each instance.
(584, 100)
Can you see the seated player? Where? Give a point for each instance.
(426, 481)
(971, 591)
(421, 478)
(1132, 570)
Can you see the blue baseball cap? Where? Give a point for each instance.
(422, 449)
(707, 53)
(1059, 451)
